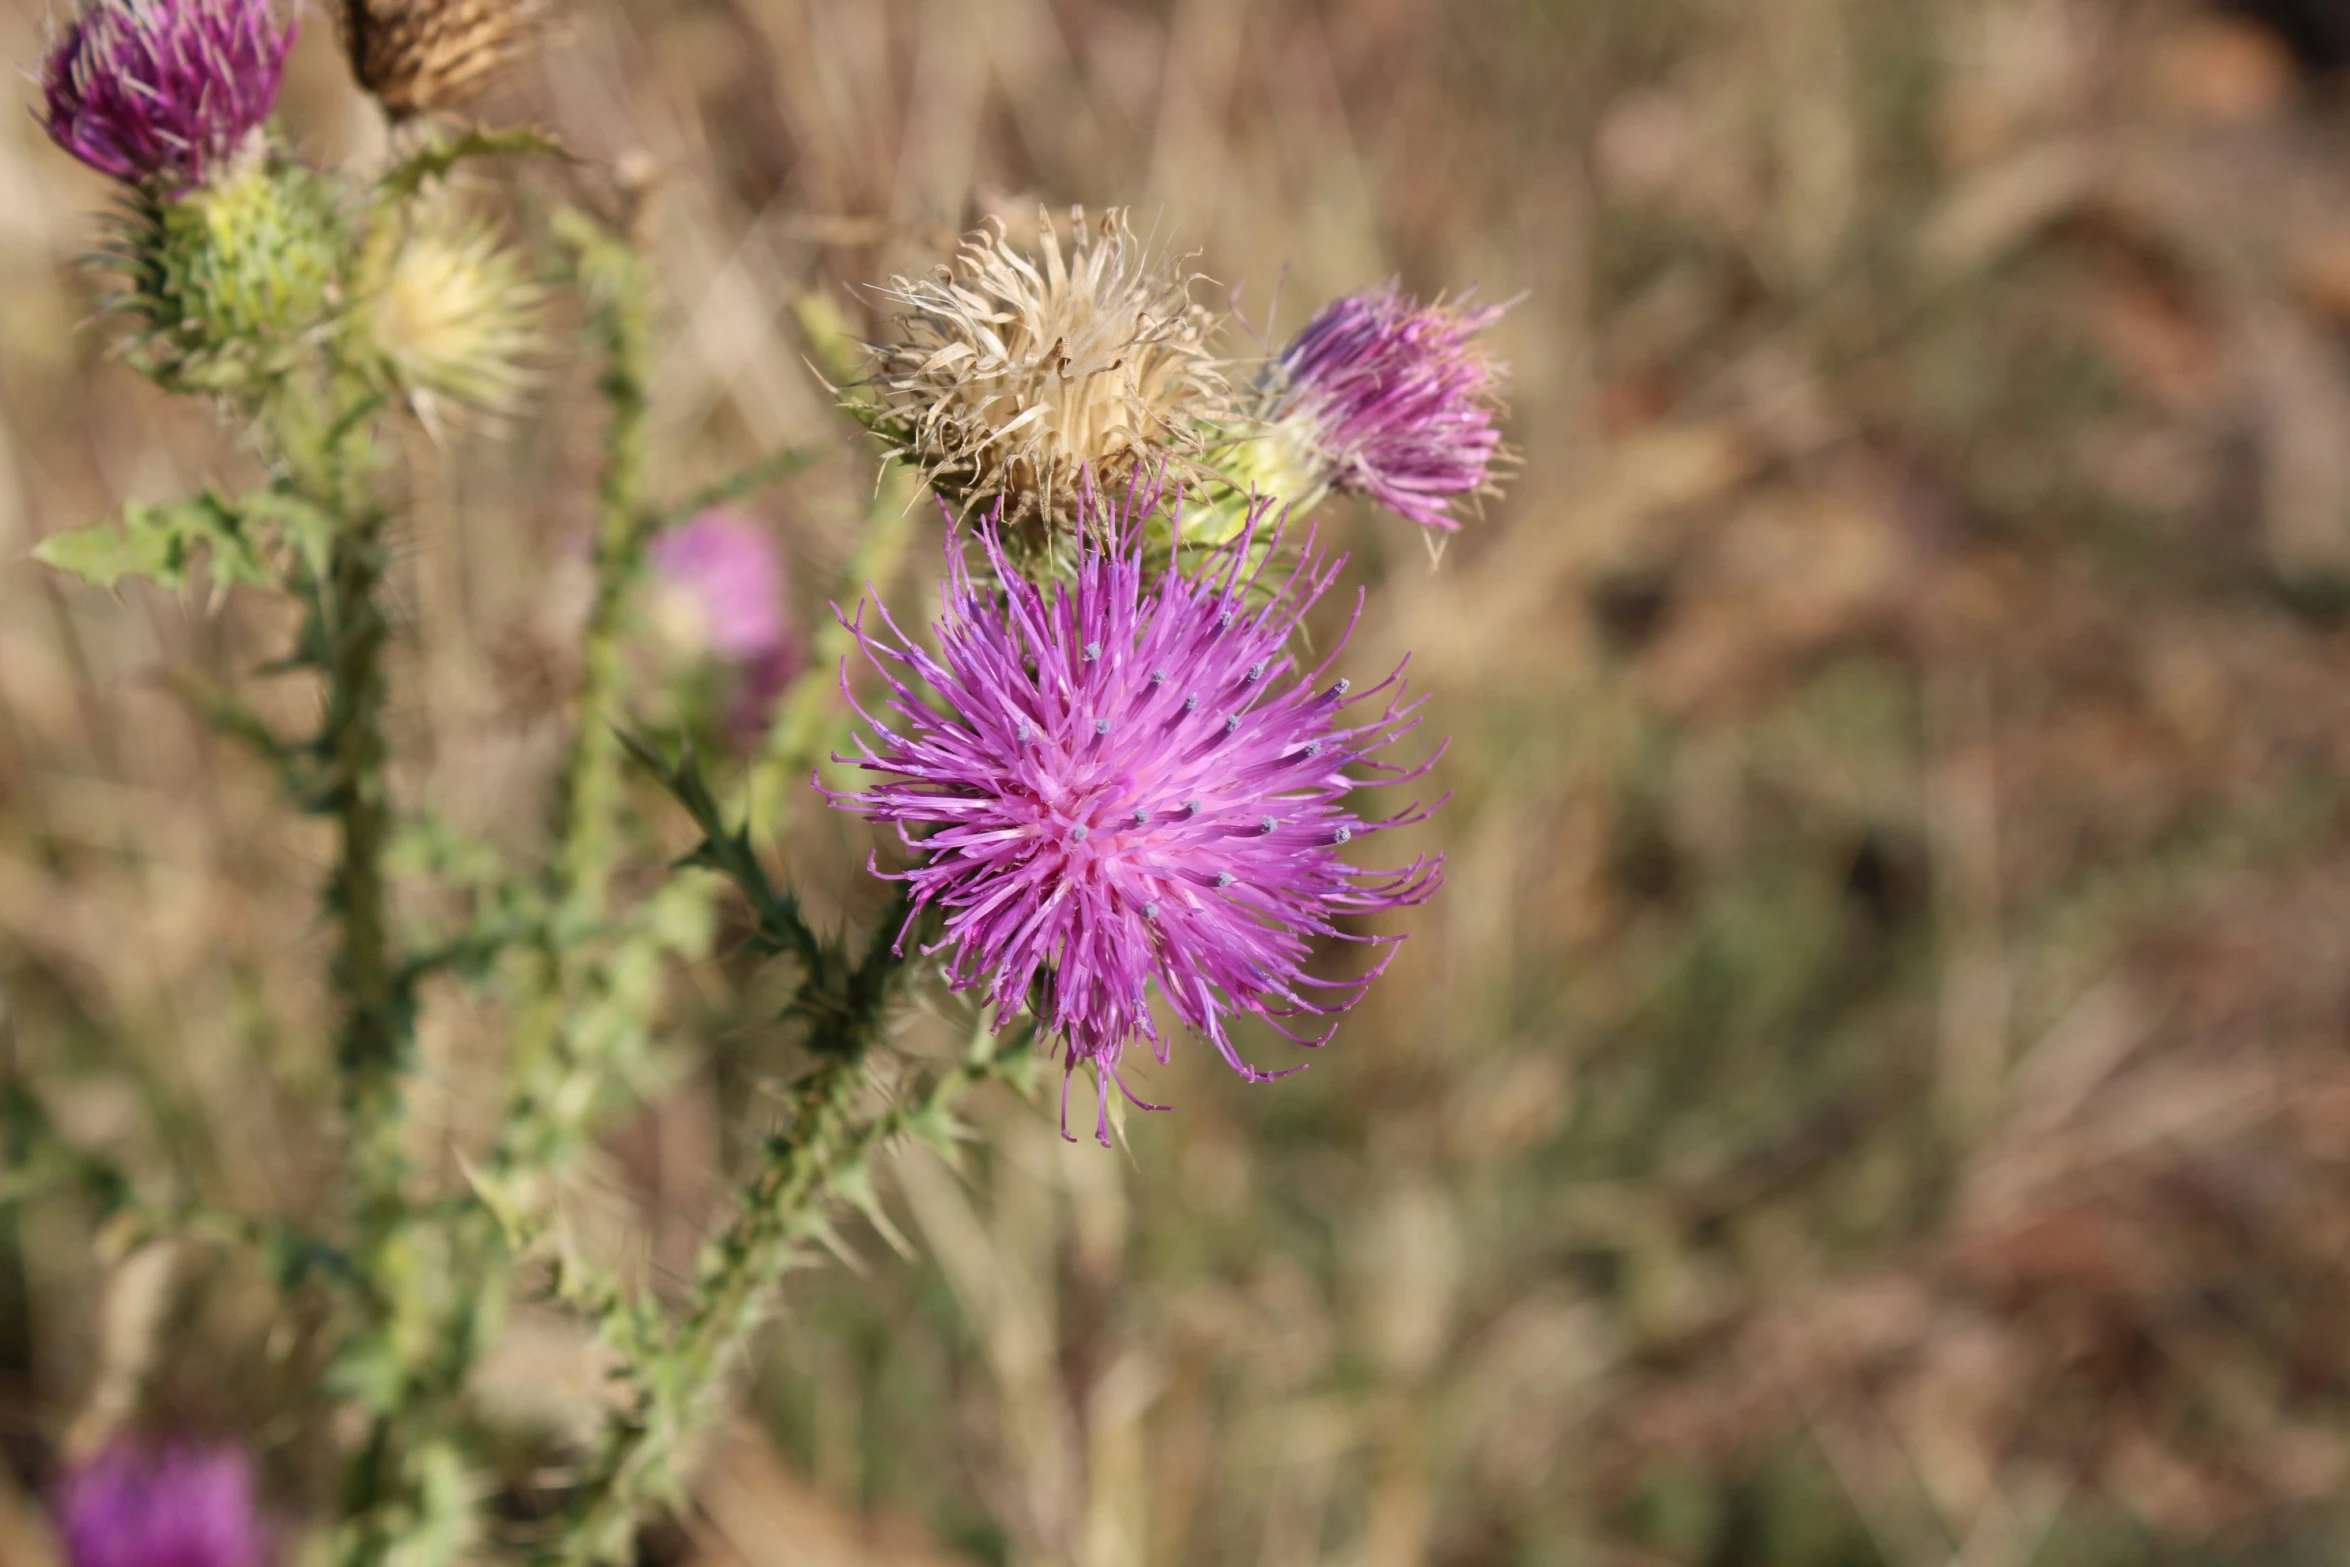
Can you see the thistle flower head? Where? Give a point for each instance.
(1388, 398)
(423, 56)
(453, 315)
(164, 92)
(1132, 780)
(722, 593)
(169, 1508)
(1009, 376)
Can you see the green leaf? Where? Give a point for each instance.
(161, 543)
(106, 552)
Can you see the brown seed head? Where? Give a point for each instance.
(421, 57)
(1013, 376)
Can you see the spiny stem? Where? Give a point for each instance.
(372, 1049)
(592, 782)
(807, 1168)
(564, 972)
(593, 787)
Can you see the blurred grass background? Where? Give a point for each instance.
(1876, 1088)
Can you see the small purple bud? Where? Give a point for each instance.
(1397, 399)
(723, 579)
(173, 1507)
(163, 92)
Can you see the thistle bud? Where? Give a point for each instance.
(171, 1508)
(1016, 378)
(421, 57)
(1378, 396)
(450, 315)
(164, 95)
(722, 591)
(228, 282)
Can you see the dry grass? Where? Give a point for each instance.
(1874, 1089)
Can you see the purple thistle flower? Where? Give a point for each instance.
(1395, 399)
(729, 575)
(1128, 780)
(175, 1507)
(164, 90)
(729, 568)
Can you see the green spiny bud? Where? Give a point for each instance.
(449, 315)
(1265, 462)
(229, 282)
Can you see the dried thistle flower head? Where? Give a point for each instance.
(452, 315)
(421, 57)
(1013, 377)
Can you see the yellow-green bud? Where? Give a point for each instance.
(1266, 462)
(231, 281)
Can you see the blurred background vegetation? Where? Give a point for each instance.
(1876, 1088)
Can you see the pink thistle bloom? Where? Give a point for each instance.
(1395, 400)
(1130, 780)
(727, 573)
(164, 91)
(175, 1507)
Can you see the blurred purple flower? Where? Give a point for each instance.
(1131, 780)
(164, 90)
(173, 1507)
(1395, 399)
(728, 574)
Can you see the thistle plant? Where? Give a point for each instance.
(1122, 784)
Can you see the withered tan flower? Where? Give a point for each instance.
(421, 57)
(1013, 376)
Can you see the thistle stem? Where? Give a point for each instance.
(807, 1167)
(372, 1050)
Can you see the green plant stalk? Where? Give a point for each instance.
(372, 1050)
(809, 720)
(349, 638)
(594, 788)
(821, 1160)
(566, 961)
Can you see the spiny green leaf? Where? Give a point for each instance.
(161, 543)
